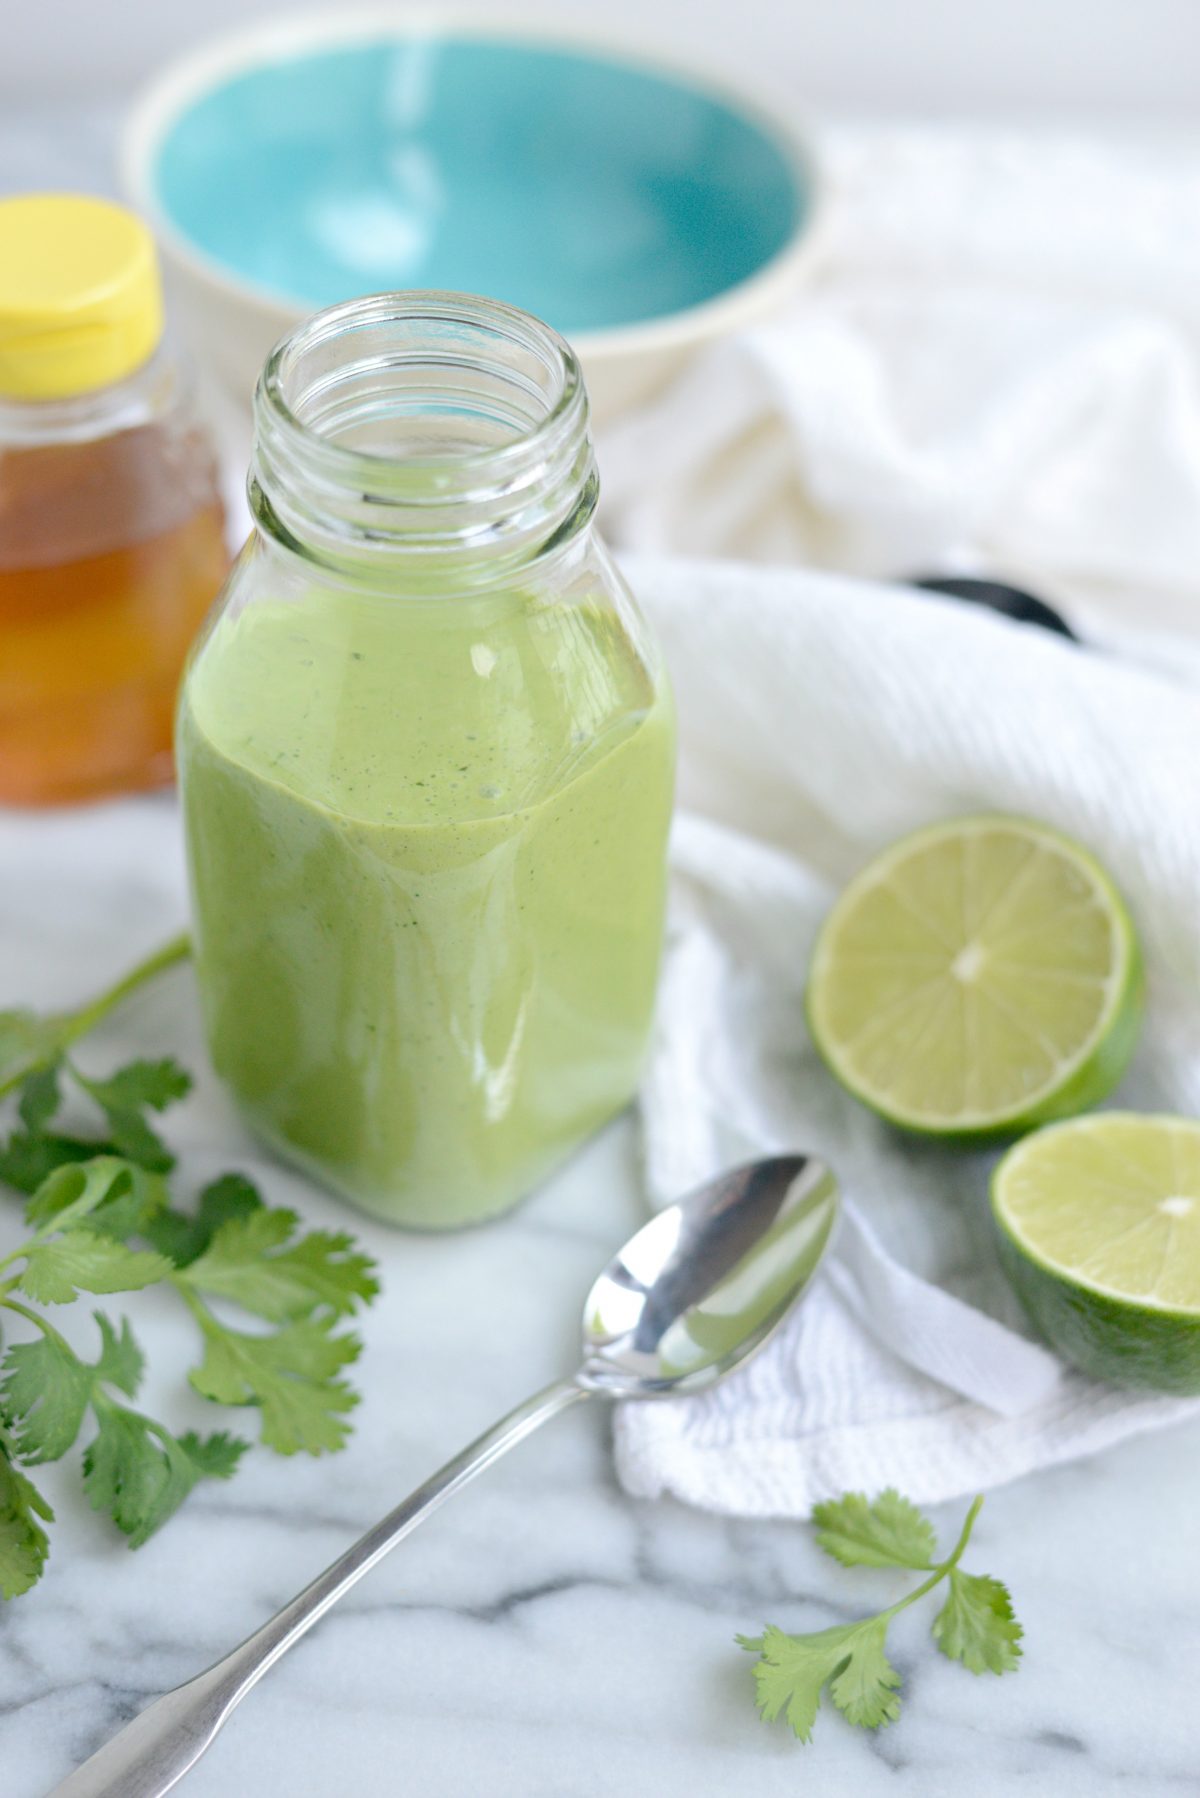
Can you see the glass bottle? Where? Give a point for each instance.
(426, 752)
(112, 538)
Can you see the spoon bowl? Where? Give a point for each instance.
(704, 1283)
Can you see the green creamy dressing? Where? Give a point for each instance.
(427, 847)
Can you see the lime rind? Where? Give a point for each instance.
(1076, 1081)
(1127, 1339)
(1109, 1338)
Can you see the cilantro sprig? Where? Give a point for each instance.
(100, 1220)
(31, 1040)
(975, 1625)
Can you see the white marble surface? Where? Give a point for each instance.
(543, 1636)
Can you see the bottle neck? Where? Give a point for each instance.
(410, 439)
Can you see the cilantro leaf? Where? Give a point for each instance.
(129, 1208)
(133, 1137)
(976, 1625)
(56, 1271)
(864, 1689)
(24, 1544)
(126, 1097)
(793, 1671)
(68, 1194)
(887, 1531)
(27, 1159)
(215, 1456)
(134, 1468)
(139, 1084)
(45, 1390)
(290, 1374)
(253, 1261)
(39, 1098)
(788, 1679)
(183, 1238)
(33, 1152)
(121, 1361)
(140, 1474)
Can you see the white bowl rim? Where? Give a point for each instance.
(187, 78)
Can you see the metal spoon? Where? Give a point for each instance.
(693, 1295)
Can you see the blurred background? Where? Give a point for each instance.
(1132, 61)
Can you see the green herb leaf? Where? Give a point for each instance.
(45, 1390)
(864, 1688)
(121, 1361)
(56, 1271)
(140, 1474)
(69, 1194)
(24, 1544)
(976, 1625)
(133, 1137)
(183, 1238)
(130, 1208)
(793, 1671)
(290, 1374)
(139, 1084)
(26, 1160)
(126, 1097)
(887, 1531)
(39, 1098)
(253, 1261)
(215, 1456)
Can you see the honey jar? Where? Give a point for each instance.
(112, 532)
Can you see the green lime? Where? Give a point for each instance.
(1099, 1224)
(976, 979)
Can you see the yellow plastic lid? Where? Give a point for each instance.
(80, 295)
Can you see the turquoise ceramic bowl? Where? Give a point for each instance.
(636, 208)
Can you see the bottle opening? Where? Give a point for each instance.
(437, 424)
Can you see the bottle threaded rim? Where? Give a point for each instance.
(441, 425)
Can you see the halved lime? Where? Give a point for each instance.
(1099, 1227)
(978, 978)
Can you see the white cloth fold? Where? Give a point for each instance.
(994, 367)
(820, 717)
(932, 1331)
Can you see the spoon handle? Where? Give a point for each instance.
(153, 1753)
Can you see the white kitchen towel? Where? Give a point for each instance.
(994, 367)
(820, 717)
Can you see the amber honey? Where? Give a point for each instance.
(111, 553)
